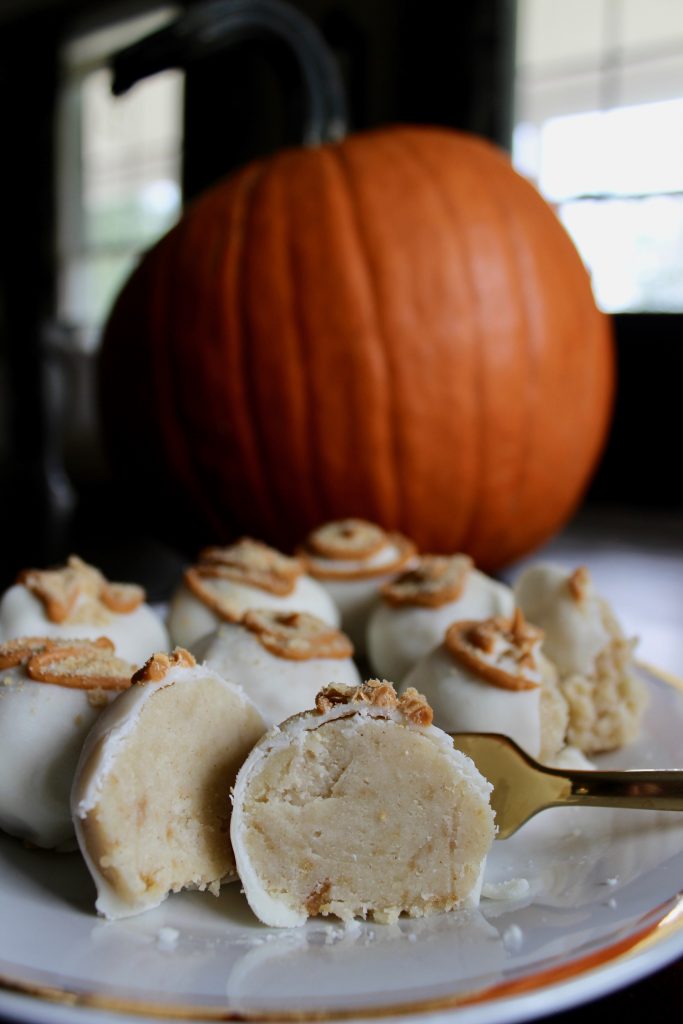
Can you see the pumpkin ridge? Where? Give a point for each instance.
(535, 328)
(564, 276)
(166, 399)
(372, 478)
(245, 357)
(213, 427)
(513, 238)
(331, 482)
(417, 153)
(177, 384)
(316, 498)
(534, 333)
(392, 514)
(478, 378)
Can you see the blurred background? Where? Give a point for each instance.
(587, 95)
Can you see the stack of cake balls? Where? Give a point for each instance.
(233, 736)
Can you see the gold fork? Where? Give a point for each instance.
(522, 787)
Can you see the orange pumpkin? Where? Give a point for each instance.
(395, 327)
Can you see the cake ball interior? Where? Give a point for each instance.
(162, 818)
(363, 815)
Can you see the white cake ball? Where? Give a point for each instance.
(77, 601)
(593, 657)
(51, 693)
(229, 581)
(490, 676)
(417, 608)
(281, 659)
(352, 559)
(360, 807)
(151, 794)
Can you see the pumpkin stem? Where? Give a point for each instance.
(206, 28)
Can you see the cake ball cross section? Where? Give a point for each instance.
(150, 798)
(360, 807)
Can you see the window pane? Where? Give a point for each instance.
(599, 102)
(89, 286)
(633, 248)
(119, 176)
(626, 151)
(131, 155)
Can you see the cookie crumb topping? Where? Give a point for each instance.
(436, 580)
(318, 898)
(82, 585)
(579, 584)
(378, 693)
(20, 650)
(159, 665)
(501, 651)
(414, 707)
(248, 562)
(75, 664)
(122, 598)
(255, 564)
(297, 636)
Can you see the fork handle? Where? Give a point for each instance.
(649, 789)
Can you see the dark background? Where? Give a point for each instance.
(432, 62)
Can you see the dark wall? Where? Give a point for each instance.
(428, 63)
(27, 282)
(639, 465)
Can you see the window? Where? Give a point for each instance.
(118, 173)
(599, 129)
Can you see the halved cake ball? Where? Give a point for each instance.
(418, 606)
(280, 658)
(490, 676)
(228, 581)
(150, 798)
(78, 601)
(360, 807)
(352, 559)
(51, 693)
(594, 659)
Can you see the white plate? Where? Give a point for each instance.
(603, 908)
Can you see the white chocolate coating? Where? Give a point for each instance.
(462, 702)
(386, 555)
(107, 742)
(275, 910)
(575, 632)
(279, 687)
(42, 730)
(355, 600)
(136, 635)
(189, 619)
(399, 636)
